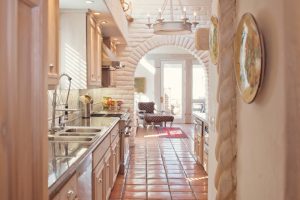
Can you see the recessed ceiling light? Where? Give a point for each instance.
(97, 13)
(89, 1)
(104, 22)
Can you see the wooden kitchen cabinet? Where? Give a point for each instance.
(118, 157)
(94, 50)
(201, 142)
(81, 49)
(53, 42)
(98, 182)
(69, 190)
(107, 178)
(114, 161)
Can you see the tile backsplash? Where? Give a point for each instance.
(73, 101)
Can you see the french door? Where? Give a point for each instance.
(172, 92)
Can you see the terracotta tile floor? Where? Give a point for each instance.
(161, 168)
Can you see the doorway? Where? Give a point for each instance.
(165, 76)
(171, 89)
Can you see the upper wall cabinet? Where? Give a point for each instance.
(80, 49)
(53, 42)
(94, 50)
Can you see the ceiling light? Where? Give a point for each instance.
(104, 22)
(89, 1)
(97, 13)
(172, 27)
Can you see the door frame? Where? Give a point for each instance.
(23, 108)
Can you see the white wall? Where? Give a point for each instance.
(292, 95)
(73, 48)
(146, 68)
(261, 132)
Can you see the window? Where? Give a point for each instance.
(199, 90)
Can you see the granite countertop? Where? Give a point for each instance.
(65, 157)
(202, 116)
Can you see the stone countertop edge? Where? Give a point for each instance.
(201, 116)
(55, 187)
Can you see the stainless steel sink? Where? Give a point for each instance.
(77, 134)
(83, 130)
(57, 138)
(107, 115)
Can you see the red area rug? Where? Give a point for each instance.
(170, 132)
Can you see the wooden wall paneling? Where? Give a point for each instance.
(23, 116)
(4, 137)
(53, 42)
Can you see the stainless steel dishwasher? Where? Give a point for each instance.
(84, 179)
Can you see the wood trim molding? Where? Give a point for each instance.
(23, 124)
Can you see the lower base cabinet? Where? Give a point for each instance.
(102, 168)
(106, 171)
(69, 190)
(107, 174)
(98, 183)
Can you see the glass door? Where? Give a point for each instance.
(172, 73)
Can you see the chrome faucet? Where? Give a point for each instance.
(54, 104)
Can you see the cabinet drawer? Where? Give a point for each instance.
(114, 133)
(69, 191)
(100, 150)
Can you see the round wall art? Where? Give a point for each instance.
(248, 58)
(213, 40)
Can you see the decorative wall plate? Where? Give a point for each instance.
(214, 40)
(248, 58)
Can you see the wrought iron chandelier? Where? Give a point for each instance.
(172, 26)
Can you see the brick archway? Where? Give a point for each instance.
(184, 42)
(131, 56)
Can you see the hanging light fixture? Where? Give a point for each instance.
(172, 26)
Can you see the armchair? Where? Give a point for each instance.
(143, 109)
(149, 115)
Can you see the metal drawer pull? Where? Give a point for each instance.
(99, 180)
(70, 193)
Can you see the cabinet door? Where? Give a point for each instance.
(107, 175)
(200, 150)
(118, 157)
(91, 50)
(53, 42)
(98, 182)
(99, 55)
(113, 166)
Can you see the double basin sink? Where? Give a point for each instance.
(75, 135)
(80, 134)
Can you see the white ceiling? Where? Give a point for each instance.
(98, 5)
